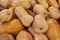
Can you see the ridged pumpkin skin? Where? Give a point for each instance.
(53, 30)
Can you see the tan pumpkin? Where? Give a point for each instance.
(53, 3)
(44, 3)
(36, 35)
(24, 3)
(6, 15)
(39, 9)
(23, 15)
(24, 35)
(40, 25)
(54, 12)
(5, 3)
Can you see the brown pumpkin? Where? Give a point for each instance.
(53, 32)
(13, 27)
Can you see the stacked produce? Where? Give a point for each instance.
(29, 19)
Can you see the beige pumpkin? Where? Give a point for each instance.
(39, 9)
(44, 3)
(54, 12)
(53, 3)
(36, 35)
(24, 3)
(5, 3)
(6, 15)
(40, 25)
(23, 15)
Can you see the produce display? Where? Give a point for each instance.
(29, 19)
